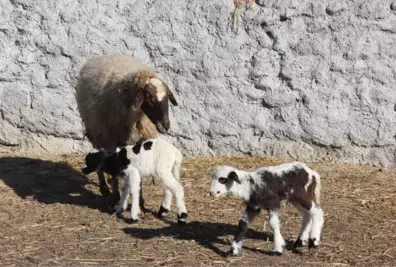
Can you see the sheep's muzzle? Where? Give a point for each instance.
(163, 126)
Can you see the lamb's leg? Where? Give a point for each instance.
(178, 191)
(176, 171)
(317, 224)
(104, 188)
(306, 226)
(273, 220)
(134, 189)
(141, 199)
(166, 203)
(246, 219)
(123, 203)
(115, 190)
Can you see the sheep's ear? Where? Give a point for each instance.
(171, 97)
(234, 177)
(138, 100)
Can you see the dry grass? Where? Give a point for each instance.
(52, 215)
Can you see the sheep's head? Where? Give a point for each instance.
(93, 161)
(222, 180)
(152, 97)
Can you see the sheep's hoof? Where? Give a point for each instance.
(182, 219)
(163, 212)
(311, 243)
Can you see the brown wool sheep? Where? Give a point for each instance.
(121, 101)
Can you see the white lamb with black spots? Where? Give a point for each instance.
(153, 157)
(265, 188)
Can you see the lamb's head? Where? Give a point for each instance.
(152, 97)
(222, 180)
(93, 161)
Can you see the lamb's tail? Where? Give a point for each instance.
(316, 176)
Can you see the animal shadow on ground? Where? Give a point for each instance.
(49, 182)
(206, 234)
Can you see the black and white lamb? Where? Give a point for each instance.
(265, 188)
(153, 157)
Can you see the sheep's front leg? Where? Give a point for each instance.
(246, 219)
(273, 220)
(166, 203)
(114, 189)
(104, 188)
(134, 190)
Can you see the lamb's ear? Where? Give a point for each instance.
(138, 99)
(234, 177)
(171, 97)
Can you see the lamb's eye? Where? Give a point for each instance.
(222, 180)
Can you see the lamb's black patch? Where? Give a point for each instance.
(110, 165)
(275, 189)
(147, 145)
(298, 243)
(311, 243)
(163, 212)
(136, 147)
(115, 163)
(123, 160)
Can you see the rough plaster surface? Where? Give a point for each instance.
(297, 79)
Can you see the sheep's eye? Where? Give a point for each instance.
(223, 180)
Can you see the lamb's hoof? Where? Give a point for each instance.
(182, 219)
(298, 243)
(132, 221)
(276, 253)
(163, 212)
(118, 210)
(229, 254)
(311, 243)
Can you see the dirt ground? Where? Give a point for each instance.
(52, 215)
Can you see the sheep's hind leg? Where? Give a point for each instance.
(178, 191)
(115, 191)
(317, 225)
(306, 226)
(141, 199)
(103, 187)
(166, 203)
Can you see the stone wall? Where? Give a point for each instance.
(296, 79)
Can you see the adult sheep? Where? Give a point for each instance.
(121, 101)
